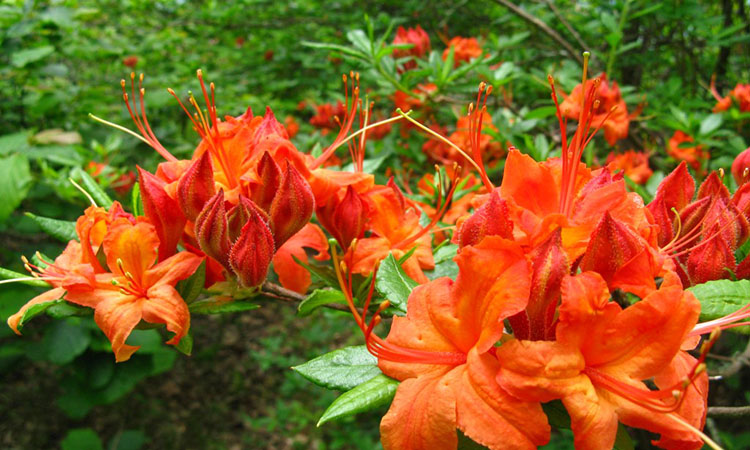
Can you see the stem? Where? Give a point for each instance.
(729, 412)
(621, 26)
(281, 293)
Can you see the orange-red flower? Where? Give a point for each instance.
(740, 93)
(632, 163)
(443, 153)
(741, 167)
(600, 358)
(419, 40)
(326, 115)
(464, 50)
(127, 285)
(611, 112)
(695, 156)
(442, 352)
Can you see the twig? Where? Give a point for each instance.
(738, 362)
(566, 24)
(544, 27)
(729, 412)
(275, 291)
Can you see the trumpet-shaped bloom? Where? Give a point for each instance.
(602, 354)
(611, 112)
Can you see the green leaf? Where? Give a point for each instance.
(721, 297)
(30, 55)
(92, 187)
(191, 287)
(360, 41)
(136, 202)
(393, 283)
(342, 369)
(623, 441)
(81, 439)
(65, 341)
(15, 182)
(318, 298)
(62, 230)
(6, 274)
(128, 440)
(14, 143)
(185, 345)
(376, 392)
(36, 310)
(213, 306)
(710, 123)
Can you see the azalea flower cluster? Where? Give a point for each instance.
(569, 288)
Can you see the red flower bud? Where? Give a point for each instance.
(269, 127)
(662, 218)
(490, 219)
(550, 265)
(345, 219)
(292, 206)
(211, 230)
(612, 248)
(712, 186)
(741, 167)
(252, 252)
(269, 174)
(163, 211)
(196, 186)
(676, 189)
(711, 260)
(238, 216)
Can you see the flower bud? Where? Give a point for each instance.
(676, 189)
(163, 211)
(550, 265)
(741, 167)
(196, 186)
(238, 216)
(345, 219)
(490, 219)
(269, 127)
(252, 252)
(211, 230)
(292, 206)
(711, 260)
(267, 186)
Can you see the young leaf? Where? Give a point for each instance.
(36, 310)
(721, 297)
(6, 274)
(63, 230)
(318, 298)
(710, 123)
(376, 392)
(342, 369)
(393, 283)
(191, 287)
(92, 187)
(185, 346)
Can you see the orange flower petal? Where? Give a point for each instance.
(292, 275)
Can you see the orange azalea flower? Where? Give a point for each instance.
(465, 49)
(632, 163)
(740, 93)
(292, 275)
(394, 223)
(442, 354)
(615, 122)
(416, 37)
(291, 125)
(137, 288)
(602, 354)
(326, 115)
(692, 155)
(127, 286)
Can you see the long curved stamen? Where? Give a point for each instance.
(351, 113)
(731, 320)
(695, 431)
(139, 118)
(476, 117)
(440, 138)
(665, 400)
(377, 346)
